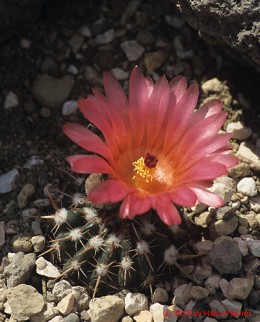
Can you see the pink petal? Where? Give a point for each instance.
(207, 197)
(202, 170)
(166, 210)
(114, 90)
(178, 86)
(212, 107)
(228, 160)
(134, 204)
(109, 191)
(87, 139)
(183, 197)
(88, 164)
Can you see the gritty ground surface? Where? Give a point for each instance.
(73, 46)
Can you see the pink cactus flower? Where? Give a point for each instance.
(157, 151)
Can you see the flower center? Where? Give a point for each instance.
(145, 167)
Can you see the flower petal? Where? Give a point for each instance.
(178, 86)
(87, 139)
(228, 160)
(114, 91)
(109, 191)
(207, 197)
(166, 210)
(183, 197)
(88, 164)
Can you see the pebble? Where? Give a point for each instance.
(126, 319)
(247, 186)
(65, 306)
(61, 289)
(36, 230)
(210, 320)
(41, 203)
(2, 233)
(105, 38)
(217, 306)
(85, 31)
(203, 219)
(38, 243)
(232, 306)
(20, 269)
(175, 21)
(69, 107)
(73, 70)
(239, 171)
(163, 313)
(72, 317)
(227, 182)
(182, 294)
(25, 43)
(239, 288)
(45, 112)
(34, 161)
(154, 60)
(22, 243)
(46, 314)
(226, 227)
(75, 42)
(24, 301)
(254, 246)
(81, 298)
(135, 302)
(9, 181)
(240, 132)
(57, 319)
(199, 293)
(225, 256)
(107, 308)
(255, 205)
(212, 86)
(24, 196)
(203, 246)
(250, 155)
(143, 316)
(212, 283)
(50, 91)
(132, 49)
(11, 100)
(46, 268)
(145, 38)
(85, 315)
(92, 76)
(12, 227)
(222, 191)
(119, 73)
(160, 295)
(242, 245)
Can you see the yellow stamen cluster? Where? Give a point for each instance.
(143, 171)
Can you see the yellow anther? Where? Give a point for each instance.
(143, 171)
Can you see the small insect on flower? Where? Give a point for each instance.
(158, 151)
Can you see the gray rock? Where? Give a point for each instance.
(61, 289)
(106, 37)
(182, 294)
(25, 195)
(52, 92)
(69, 107)
(221, 24)
(239, 171)
(132, 49)
(47, 313)
(199, 293)
(11, 100)
(24, 301)
(254, 246)
(107, 308)
(20, 269)
(9, 181)
(160, 295)
(81, 298)
(72, 317)
(225, 256)
(239, 288)
(2, 233)
(232, 306)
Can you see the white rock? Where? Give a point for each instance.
(222, 191)
(119, 73)
(240, 132)
(107, 308)
(212, 85)
(233, 307)
(38, 243)
(143, 316)
(72, 69)
(255, 204)
(34, 161)
(106, 37)
(254, 246)
(45, 268)
(69, 107)
(9, 181)
(47, 313)
(247, 186)
(132, 49)
(250, 155)
(2, 233)
(11, 100)
(65, 306)
(57, 319)
(160, 312)
(135, 302)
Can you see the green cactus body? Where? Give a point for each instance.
(109, 255)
